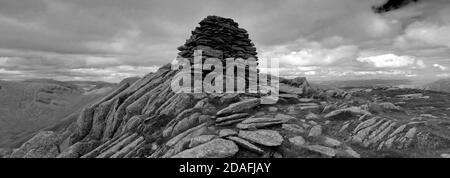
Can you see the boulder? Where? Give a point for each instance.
(312, 116)
(297, 141)
(331, 142)
(290, 90)
(272, 109)
(315, 131)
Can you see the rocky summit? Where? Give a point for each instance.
(146, 119)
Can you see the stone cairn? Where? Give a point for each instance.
(220, 38)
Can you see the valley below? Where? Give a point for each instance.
(31, 105)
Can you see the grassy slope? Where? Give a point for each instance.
(26, 107)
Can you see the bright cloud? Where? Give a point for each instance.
(303, 54)
(440, 67)
(435, 34)
(392, 61)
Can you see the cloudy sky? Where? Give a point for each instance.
(109, 40)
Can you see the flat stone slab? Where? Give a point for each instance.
(293, 128)
(232, 117)
(288, 96)
(247, 145)
(263, 137)
(351, 111)
(309, 107)
(231, 122)
(284, 116)
(201, 140)
(331, 142)
(323, 150)
(257, 125)
(305, 100)
(263, 120)
(240, 106)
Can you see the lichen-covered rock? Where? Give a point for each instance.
(217, 148)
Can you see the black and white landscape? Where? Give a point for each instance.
(93, 79)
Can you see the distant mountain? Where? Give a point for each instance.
(30, 105)
(369, 83)
(442, 85)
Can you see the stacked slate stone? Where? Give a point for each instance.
(221, 38)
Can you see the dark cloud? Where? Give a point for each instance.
(392, 5)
